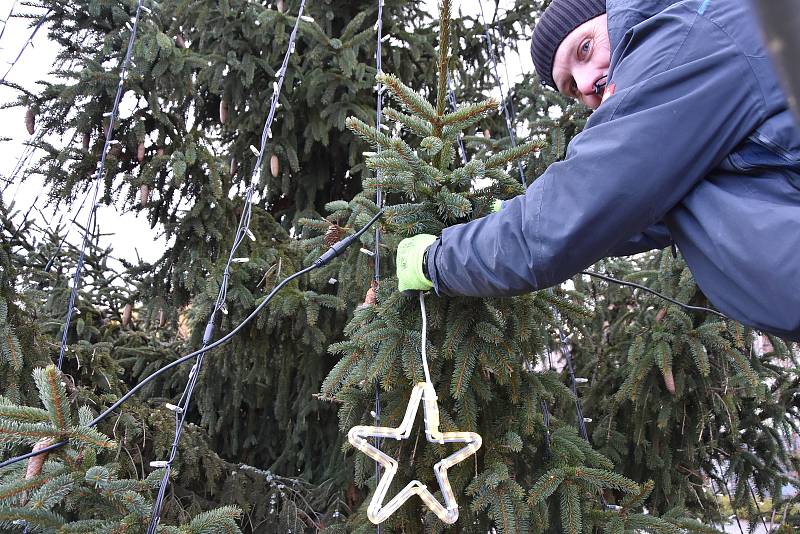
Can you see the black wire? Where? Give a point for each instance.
(656, 293)
(334, 251)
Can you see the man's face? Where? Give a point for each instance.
(582, 60)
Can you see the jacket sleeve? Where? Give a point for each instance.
(656, 236)
(641, 152)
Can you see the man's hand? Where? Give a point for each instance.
(410, 253)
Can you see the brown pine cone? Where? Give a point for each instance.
(669, 380)
(30, 121)
(35, 463)
(372, 294)
(333, 235)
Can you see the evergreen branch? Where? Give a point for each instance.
(635, 500)
(11, 350)
(471, 114)
(22, 414)
(221, 519)
(368, 133)
(25, 433)
(545, 486)
(54, 395)
(19, 487)
(651, 523)
(91, 437)
(604, 478)
(52, 492)
(570, 508)
(501, 159)
(36, 518)
(410, 99)
(419, 126)
(444, 54)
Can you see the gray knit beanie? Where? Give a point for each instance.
(557, 21)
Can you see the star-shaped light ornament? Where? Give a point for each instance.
(377, 512)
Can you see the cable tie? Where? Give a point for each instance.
(255, 150)
(367, 252)
(307, 18)
(172, 407)
(223, 309)
(107, 114)
(250, 234)
(332, 281)
(240, 260)
(158, 464)
(581, 380)
(587, 419)
(145, 8)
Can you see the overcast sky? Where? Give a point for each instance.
(127, 233)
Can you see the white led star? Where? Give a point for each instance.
(377, 512)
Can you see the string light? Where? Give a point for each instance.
(28, 42)
(379, 90)
(377, 511)
(92, 218)
(243, 232)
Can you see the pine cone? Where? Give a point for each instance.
(180, 42)
(487, 134)
(127, 311)
(662, 313)
(30, 121)
(280, 6)
(234, 167)
(87, 138)
(144, 195)
(275, 166)
(35, 463)
(223, 111)
(372, 294)
(140, 152)
(669, 380)
(333, 234)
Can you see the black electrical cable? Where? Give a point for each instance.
(330, 254)
(656, 293)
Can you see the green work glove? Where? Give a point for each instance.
(496, 206)
(410, 253)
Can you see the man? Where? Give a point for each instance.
(691, 143)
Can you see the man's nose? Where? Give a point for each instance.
(585, 83)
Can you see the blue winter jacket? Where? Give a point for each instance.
(696, 145)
